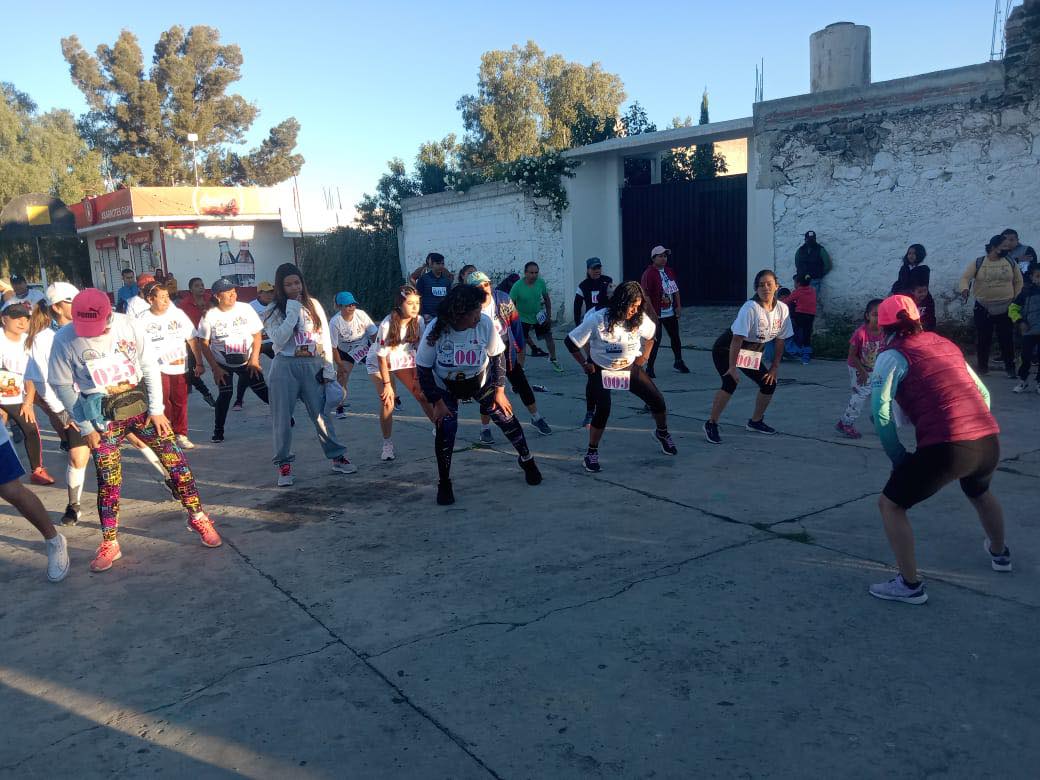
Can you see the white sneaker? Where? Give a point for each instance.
(343, 465)
(1022, 386)
(285, 476)
(57, 558)
(185, 443)
(388, 450)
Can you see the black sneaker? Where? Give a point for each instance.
(591, 461)
(217, 438)
(1000, 562)
(209, 400)
(531, 472)
(542, 426)
(681, 367)
(711, 432)
(664, 439)
(538, 352)
(760, 427)
(71, 516)
(445, 495)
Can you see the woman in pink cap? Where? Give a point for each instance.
(956, 438)
(119, 393)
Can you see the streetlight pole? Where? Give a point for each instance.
(193, 137)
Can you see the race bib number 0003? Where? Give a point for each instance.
(616, 380)
(749, 359)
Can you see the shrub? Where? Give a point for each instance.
(362, 261)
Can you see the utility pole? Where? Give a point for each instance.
(194, 137)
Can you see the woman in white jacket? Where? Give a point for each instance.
(302, 365)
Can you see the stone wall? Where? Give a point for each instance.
(944, 159)
(495, 227)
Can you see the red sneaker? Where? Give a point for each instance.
(203, 526)
(41, 477)
(107, 554)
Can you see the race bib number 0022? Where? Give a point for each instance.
(400, 360)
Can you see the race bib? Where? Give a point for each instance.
(401, 359)
(358, 354)
(237, 346)
(305, 344)
(594, 295)
(670, 287)
(438, 292)
(10, 386)
(112, 371)
(749, 359)
(616, 380)
(173, 357)
(541, 318)
(468, 358)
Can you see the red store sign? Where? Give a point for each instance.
(143, 237)
(106, 243)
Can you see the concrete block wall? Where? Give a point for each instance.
(496, 227)
(943, 159)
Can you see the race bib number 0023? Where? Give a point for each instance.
(112, 371)
(616, 380)
(749, 359)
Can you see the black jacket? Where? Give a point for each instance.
(592, 294)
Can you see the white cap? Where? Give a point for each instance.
(61, 291)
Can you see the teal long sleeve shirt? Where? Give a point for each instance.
(889, 371)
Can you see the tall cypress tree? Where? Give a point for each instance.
(706, 164)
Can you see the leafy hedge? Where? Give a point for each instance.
(365, 262)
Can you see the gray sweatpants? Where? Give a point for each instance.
(289, 380)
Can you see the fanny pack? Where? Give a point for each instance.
(130, 403)
(467, 388)
(995, 308)
(234, 359)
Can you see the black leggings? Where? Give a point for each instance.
(444, 443)
(195, 381)
(671, 325)
(243, 382)
(720, 357)
(224, 391)
(640, 385)
(518, 381)
(984, 326)
(30, 435)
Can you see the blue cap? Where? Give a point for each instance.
(592, 262)
(222, 284)
(345, 299)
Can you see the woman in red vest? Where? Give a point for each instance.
(956, 438)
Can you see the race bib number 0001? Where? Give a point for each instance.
(112, 371)
(749, 359)
(616, 380)
(400, 360)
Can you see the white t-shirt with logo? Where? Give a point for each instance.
(460, 355)
(166, 335)
(230, 333)
(136, 306)
(668, 291)
(13, 362)
(399, 357)
(32, 297)
(306, 338)
(615, 347)
(756, 324)
(350, 334)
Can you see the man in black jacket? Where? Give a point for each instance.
(594, 290)
(812, 260)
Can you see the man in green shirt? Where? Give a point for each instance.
(531, 296)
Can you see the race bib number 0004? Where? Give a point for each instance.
(749, 359)
(616, 380)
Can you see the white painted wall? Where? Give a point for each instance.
(495, 227)
(948, 177)
(196, 252)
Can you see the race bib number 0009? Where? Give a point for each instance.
(749, 359)
(112, 371)
(616, 380)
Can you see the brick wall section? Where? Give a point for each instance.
(495, 227)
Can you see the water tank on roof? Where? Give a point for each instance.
(839, 57)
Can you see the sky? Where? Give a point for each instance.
(371, 81)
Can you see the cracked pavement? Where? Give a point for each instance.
(703, 615)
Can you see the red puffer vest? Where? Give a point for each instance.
(938, 394)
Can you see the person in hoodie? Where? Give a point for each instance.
(1025, 311)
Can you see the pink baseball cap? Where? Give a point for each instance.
(90, 311)
(888, 311)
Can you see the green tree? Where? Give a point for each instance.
(590, 129)
(382, 211)
(635, 121)
(436, 165)
(140, 121)
(705, 163)
(43, 152)
(527, 104)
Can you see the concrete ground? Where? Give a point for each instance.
(699, 616)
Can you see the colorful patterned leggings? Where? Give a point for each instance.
(108, 463)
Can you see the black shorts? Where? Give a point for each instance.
(924, 472)
(541, 329)
(345, 356)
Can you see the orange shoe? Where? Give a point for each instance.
(203, 526)
(107, 554)
(41, 477)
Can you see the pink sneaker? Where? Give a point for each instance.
(203, 526)
(107, 554)
(848, 430)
